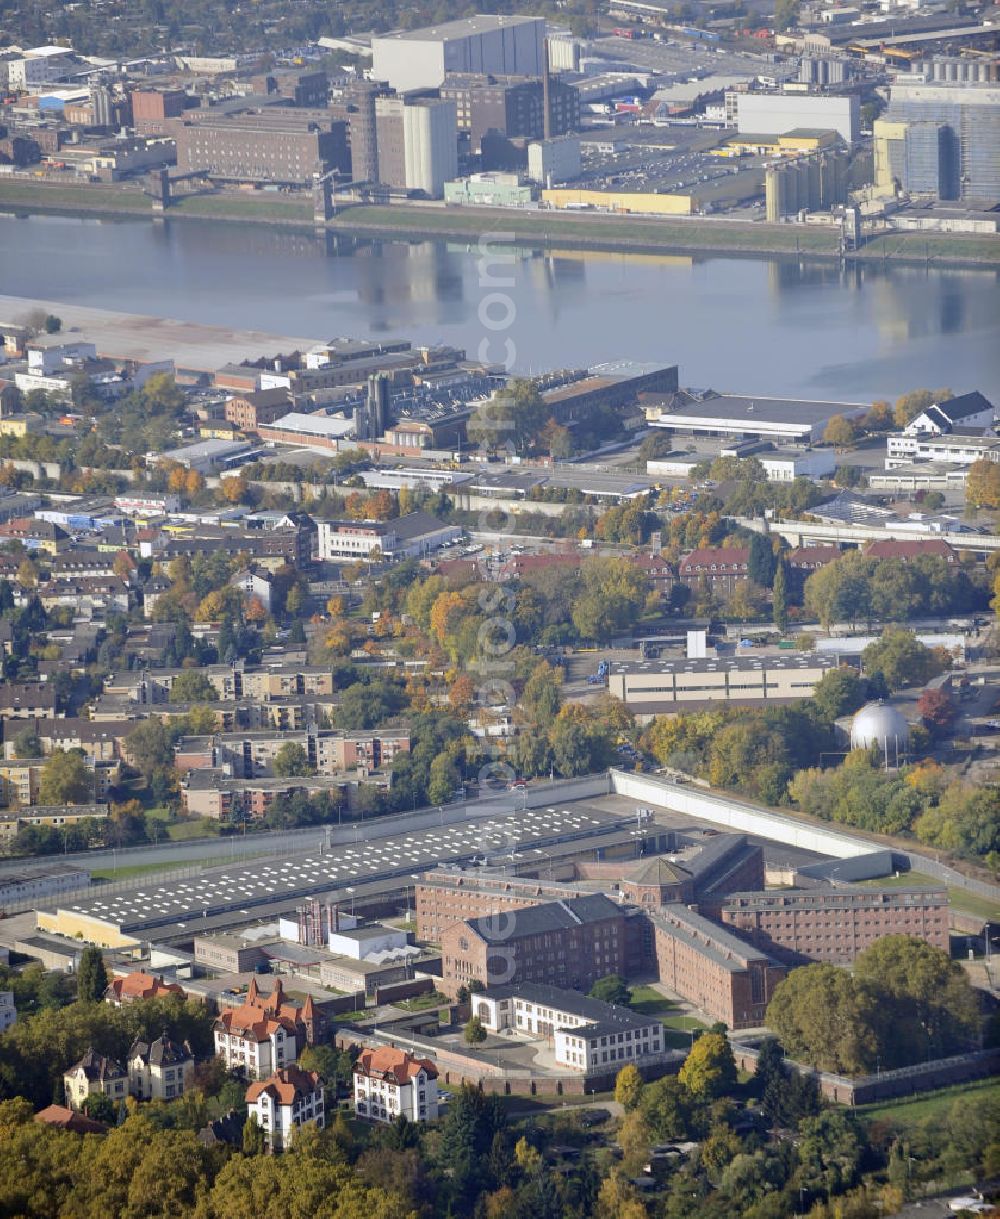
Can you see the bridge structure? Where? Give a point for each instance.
(804, 533)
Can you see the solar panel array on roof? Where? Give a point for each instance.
(238, 888)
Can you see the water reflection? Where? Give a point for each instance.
(758, 326)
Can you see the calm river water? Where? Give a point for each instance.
(745, 325)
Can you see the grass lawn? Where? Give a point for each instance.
(422, 1003)
(967, 903)
(181, 831)
(125, 871)
(908, 1112)
(649, 1002)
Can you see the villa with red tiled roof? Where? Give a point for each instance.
(265, 1033)
(139, 985)
(389, 1082)
(286, 1100)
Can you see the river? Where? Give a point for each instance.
(751, 325)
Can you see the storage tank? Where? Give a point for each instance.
(878, 724)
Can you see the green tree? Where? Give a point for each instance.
(840, 432)
(612, 989)
(542, 697)
(474, 1032)
(443, 780)
(53, 324)
(253, 1136)
(901, 659)
(824, 1017)
(149, 746)
(101, 1108)
(709, 1070)
(838, 692)
(65, 779)
(786, 14)
(92, 976)
(668, 1108)
(927, 1004)
(762, 562)
(27, 744)
(830, 1146)
(779, 600)
(291, 760)
(612, 598)
(191, 686)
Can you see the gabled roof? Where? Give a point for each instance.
(389, 1063)
(964, 405)
(910, 548)
(161, 1053)
(68, 1119)
(705, 556)
(139, 985)
(97, 1067)
(550, 916)
(285, 1086)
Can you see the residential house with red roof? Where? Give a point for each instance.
(912, 548)
(390, 1082)
(66, 1119)
(284, 1101)
(264, 1034)
(139, 985)
(721, 567)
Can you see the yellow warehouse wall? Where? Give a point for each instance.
(92, 930)
(622, 201)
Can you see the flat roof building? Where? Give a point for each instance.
(273, 146)
(421, 59)
(664, 687)
(714, 414)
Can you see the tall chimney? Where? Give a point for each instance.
(546, 98)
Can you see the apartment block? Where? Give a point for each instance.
(836, 924)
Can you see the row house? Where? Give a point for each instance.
(27, 701)
(57, 816)
(91, 595)
(211, 793)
